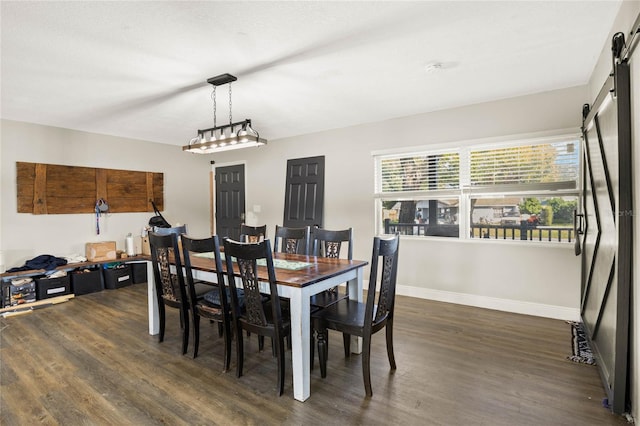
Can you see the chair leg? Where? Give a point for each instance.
(346, 339)
(239, 351)
(312, 349)
(220, 330)
(161, 318)
(260, 342)
(281, 366)
(227, 344)
(322, 351)
(366, 364)
(196, 334)
(185, 331)
(389, 332)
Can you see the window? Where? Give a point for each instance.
(523, 190)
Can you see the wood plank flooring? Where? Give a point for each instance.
(91, 361)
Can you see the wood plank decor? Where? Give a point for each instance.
(56, 189)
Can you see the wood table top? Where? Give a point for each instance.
(319, 268)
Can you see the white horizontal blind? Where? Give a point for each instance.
(418, 172)
(543, 163)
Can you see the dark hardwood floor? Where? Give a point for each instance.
(91, 361)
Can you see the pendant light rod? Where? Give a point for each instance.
(243, 123)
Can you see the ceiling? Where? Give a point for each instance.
(139, 69)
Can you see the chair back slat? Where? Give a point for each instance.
(253, 299)
(243, 258)
(384, 270)
(252, 234)
(178, 230)
(169, 286)
(292, 240)
(329, 243)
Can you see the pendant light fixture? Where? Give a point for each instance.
(228, 136)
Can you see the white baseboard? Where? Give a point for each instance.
(507, 305)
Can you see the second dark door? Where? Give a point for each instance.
(304, 194)
(230, 201)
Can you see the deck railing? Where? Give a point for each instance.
(522, 232)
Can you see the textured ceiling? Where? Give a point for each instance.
(139, 69)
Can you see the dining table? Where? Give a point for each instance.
(298, 277)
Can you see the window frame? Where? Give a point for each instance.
(466, 192)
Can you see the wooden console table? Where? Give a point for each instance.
(6, 277)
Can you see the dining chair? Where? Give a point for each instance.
(292, 240)
(170, 288)
(252, 234)
(364, 319)
(214, 305)
(329, 243)
(178, 230)
(258, 316)
(201, 286)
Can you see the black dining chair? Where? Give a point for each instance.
(202, 287)
(354, 318)
(252, 234)
(292, 240)
(329, 243)
(258, 316)
(214, 305)
(170, 288)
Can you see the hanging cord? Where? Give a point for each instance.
(230, 118)
(98, 217)
(213, 97)
(101, 207)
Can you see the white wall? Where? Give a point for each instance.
(528, 278)
(539, 279)
(25, 235)
(629, 12)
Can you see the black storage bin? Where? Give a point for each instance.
(52, 287)
(86, 281)
(18, 291)
(117, 277)
(138, 272)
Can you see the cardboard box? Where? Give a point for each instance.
(52, 287)
(86, 281)
(101, 251)
(146, 248)
(117, 277)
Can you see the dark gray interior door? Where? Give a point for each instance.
(606, 257)
(230, 201)
(304, 194)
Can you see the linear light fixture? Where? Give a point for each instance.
(226, 137)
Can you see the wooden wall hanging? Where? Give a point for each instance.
(56, 189)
